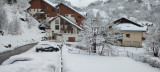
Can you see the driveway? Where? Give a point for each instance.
(4, 56)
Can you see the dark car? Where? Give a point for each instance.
(46, 48)
(1, 33)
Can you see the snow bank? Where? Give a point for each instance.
(37, 62)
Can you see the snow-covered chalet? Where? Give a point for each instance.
(61, 21)
(132, 33)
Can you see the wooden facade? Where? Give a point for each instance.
(35, 4)
(48, 9)
(64, 9)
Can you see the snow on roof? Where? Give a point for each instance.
(47, 1)
(70, 22)
(73, 9)
(40, 12)
(83, 13)
(51, 19)
(131, 27)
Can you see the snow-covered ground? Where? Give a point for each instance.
(37, 62)
(50, 62)
(31, 36)
(28, 30)
(87, 63)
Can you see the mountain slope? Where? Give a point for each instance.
(20, 27)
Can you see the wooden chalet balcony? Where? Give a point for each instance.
(65, 23)
(67, 29)
(40, 16)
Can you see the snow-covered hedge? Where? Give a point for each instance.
(153, 61)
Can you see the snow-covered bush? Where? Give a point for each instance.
(153, 61)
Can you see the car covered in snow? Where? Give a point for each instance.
(46, 48)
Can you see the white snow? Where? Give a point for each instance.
(83, 13)
(49, 2)
(37, 62)
(131, 27)
(28, 34)
(103, 13)
(87, 63)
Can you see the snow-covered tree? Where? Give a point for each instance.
(92, 33)
(153, 40)
(3, 20)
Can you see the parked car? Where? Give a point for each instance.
(1, 33)
(46, 48)
(44, 38)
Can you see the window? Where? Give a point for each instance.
(44, 6)
(69, 26)
(62, 21)
(57, 21)
(57, 27)
(128, 35)
(58, 10)
(66, 15)
(79, 16)
(72, 15)
(38, 15)
(46, 15)
(76, 21)
(54, 37)
(53, 9)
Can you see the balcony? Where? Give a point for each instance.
(65, 23)
(40, 16)
(67, 29)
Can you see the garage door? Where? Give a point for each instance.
(71, 39)
(136, 44)
(127, 43)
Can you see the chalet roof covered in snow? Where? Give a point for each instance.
(125, 20)
(71, 22)
(131, 27)
(50, 3)
(74, 9)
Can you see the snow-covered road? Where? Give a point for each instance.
(6, 55)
